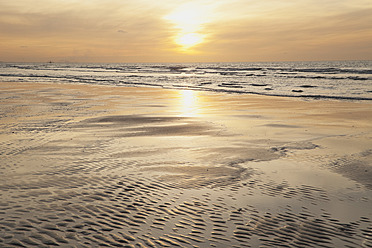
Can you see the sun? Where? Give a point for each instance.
(189, 40)
(189, 20)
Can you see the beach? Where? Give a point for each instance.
(98, 165)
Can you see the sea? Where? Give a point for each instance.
(342, 80)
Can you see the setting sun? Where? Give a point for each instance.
(189, 20)
(189, 40)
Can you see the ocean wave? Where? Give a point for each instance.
(328, 78)
(331, 80)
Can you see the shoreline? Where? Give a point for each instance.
(301, 96)
(94, 165)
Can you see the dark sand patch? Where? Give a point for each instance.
(234, 156)
(200, 176)
(282, 126)
(131, 119)
(137, 125)
(357, 167)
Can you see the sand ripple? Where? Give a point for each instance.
(125, 212)
(78, 178)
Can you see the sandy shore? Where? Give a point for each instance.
(92, 166)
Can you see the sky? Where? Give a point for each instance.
(129, 31)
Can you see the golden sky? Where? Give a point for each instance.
(185, 31)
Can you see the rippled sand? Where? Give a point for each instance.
(90, 166)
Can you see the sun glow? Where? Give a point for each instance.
(189, 102)
(189, 40)
(189, 20)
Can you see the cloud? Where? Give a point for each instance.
(118, 30)
(292, 33)
(94, 25)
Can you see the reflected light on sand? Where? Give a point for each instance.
(189, 103)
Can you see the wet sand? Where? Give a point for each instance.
(92, 166)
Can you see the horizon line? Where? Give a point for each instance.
(215, 62)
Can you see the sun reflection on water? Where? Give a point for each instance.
(189, 103)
